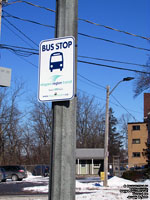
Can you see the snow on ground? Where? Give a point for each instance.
(93, 190)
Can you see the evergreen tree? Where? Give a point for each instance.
(115, 139)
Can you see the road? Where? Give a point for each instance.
(15, 190)
(17, 187)
(24, 197)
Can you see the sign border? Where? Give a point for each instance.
(73, 94)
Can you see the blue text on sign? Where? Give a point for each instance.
(57, 46)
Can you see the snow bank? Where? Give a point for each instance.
(116, 181)
(90, 190)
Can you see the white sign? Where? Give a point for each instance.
(56, 72)
(5, 77)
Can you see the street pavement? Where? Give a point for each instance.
(24, 197)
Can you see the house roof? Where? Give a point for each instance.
(90, 153)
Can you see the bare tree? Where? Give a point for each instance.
(90, 123)
(123, 126)
(40, 128)
(143, 80)
(10, 117)
(123, 122)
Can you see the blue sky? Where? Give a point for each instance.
(130, 16)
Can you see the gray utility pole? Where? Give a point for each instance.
(63, 150)
(106, 137)
(106, 153)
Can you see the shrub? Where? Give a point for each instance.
(133, 175)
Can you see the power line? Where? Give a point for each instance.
(114, 29)
(114, 42)
(92, 82)
(84, 20)
(118, 105)
(121, 62)
(113, 67)
(20, 31)
(102, 59)
(82, 34)
(18, 47)
(31, 4)
(35, 52)
(26, 20)
(17, 35)
(115, 61)
(35, 66)
(124, 108)
(18, 50)
(20, 53)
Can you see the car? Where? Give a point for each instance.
(41, 170)
(15, 172)
(2, 175)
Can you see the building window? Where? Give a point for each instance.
(136, 154)
(136, 141)
(136, 127)
(96, 165)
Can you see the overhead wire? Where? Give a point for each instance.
(17, 35)
(20, 31)
(124, 108)
(102, 59)
(115, 61)
(114, 42)
(84, 56)
(35, 66)
(18, 47)
(118, 105)
(18, 52)
(114, 29)
(31, 4)
(91, 81)
(35, 52)
(111, 95)
(113, 67)
(26, 20)
(92, 37)
(26, 52)
(82, 34)
(84, 20)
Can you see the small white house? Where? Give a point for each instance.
(89, 160)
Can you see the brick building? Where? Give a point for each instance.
(137, 137)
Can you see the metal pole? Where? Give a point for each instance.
(106, 138)
(63, 151)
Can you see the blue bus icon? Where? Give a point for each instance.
(56, 61)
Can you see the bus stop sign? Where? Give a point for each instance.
(56, 69)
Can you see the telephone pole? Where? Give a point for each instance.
(63, 149)
(106, 152)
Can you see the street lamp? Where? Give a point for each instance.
(106, 153)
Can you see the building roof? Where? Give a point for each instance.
(90, 153)
(136, 123)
